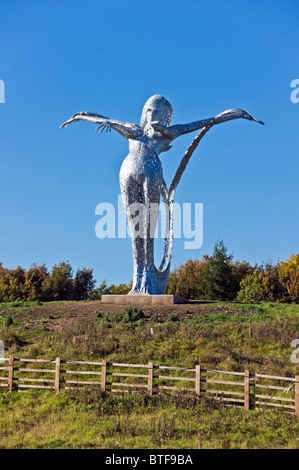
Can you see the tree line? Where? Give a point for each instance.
(38, 284)
(219, 277)
(213, 277)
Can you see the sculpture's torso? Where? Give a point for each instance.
(143, 161)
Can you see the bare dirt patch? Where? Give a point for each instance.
(58, 315)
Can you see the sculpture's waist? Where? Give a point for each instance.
(141, 165)
(137, 159)
(143, 154)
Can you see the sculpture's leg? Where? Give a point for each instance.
(133, 199)
(152, 192)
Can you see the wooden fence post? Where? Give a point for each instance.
(150, 378)
(57, 374)
(10, 373)
(197, 380)
(247, 390)
(297, 395)
(103, 378)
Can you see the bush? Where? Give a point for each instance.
(173, 317)
(131, 314)
(270, 283)
(252, 288)
(7, 321)
(104, 289)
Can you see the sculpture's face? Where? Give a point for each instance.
(155, 113)
(157, 108)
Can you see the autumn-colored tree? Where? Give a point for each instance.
(272, 284)
(253, 288)
(2, 270)
(12, 285)
(123, 288)
(182, 281)
(35, 278)
(264, 284)
(241, 269)
(215, 277)
(288, 273)
(172, 283)
(212, 277)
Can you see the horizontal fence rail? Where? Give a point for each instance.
(243, 389)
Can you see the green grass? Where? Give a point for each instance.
(19, 305)
(256, 337)
(92, 420)
(226, 336)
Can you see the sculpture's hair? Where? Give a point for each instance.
(152, 101)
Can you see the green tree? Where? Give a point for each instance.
(123, 289)
(104, 289)
(241, 269)
(217, 280)
(59, 285)
(83, 283)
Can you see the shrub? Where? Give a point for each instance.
(173, 317)
(131, 314)
(252, 288)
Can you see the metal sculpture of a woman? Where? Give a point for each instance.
(142, 183)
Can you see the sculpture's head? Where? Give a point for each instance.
(157, 108)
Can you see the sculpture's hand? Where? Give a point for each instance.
(126, 129)
(238, 113)
(249, 117)
(85, 116)
(105, 126)
(67, 123)
(164, 130)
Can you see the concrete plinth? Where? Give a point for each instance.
(143, 299)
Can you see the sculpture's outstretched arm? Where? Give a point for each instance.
(126, 129)
(172, 132)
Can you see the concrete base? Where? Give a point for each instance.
(143, 299)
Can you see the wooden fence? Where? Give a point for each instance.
(244, 389)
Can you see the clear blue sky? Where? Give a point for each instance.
(62, 57)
